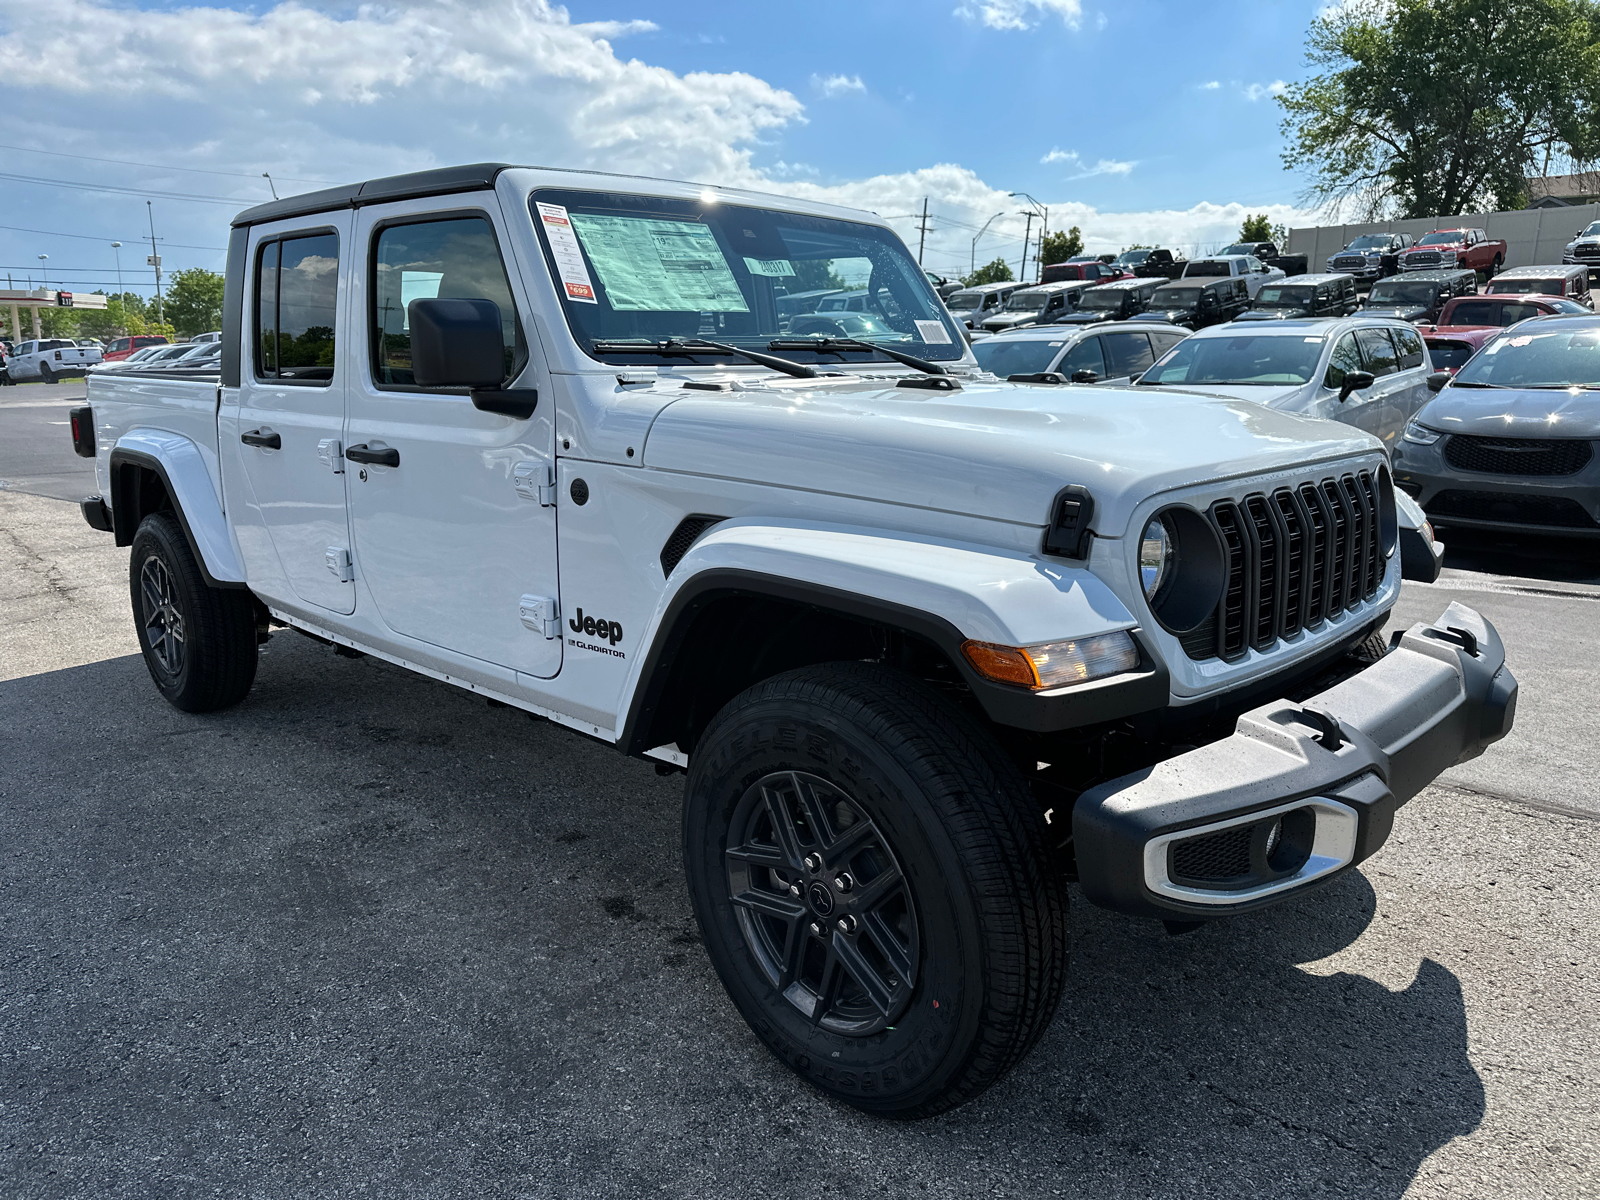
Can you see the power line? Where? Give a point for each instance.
(126, 191)
(91, 238)
(156, 166)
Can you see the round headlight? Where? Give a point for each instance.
(1181, 568)
(1156, 551)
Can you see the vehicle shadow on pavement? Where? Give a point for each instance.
(1214, 1064)
(1555, 559)
(365, 933)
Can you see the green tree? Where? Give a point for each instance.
(1256, 229)
(194, 301)
(1433, 107)
(995, 272)
(814, 275)
(1060, 246)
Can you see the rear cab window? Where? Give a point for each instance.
(296, 306)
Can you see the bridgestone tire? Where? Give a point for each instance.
(214, 663)
(957, 815)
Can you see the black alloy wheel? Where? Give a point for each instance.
(198, 641)
(823, 904)
(46, 374)
(874, 887)
(160, 615)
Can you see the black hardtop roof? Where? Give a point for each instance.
(474, 177)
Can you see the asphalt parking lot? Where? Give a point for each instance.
(365, 936)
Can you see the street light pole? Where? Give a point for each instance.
(117, 246)
(44, 279)
(1027, 232)
(972, 266)
(155, 260)
(1042, 211)
(270, 184)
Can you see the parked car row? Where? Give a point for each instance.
(1376, 256)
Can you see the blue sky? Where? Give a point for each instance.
(1141, 120)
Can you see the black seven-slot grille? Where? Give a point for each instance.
(1293, 558)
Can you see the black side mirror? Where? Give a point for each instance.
(458, 343)
(1085, 376)
(1355, 381)
(1438, 379)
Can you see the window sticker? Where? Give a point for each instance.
(776, 268)
(575, 281)
(652, 264)
(933, 333)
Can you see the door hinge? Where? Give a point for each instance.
(535, 481)
(541, 614)
(331, 452)
(338, 560)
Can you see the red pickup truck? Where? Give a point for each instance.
(1446, 248)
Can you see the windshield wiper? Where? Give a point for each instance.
(1471, 383)
(832, 345)
(701, 346)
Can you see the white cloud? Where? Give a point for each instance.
(321, 95)
(1106, 166)
(1260, 91)
(372, 90)
(1021, 14)
(837, 85)
(1211, 85)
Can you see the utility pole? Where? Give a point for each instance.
(923, 229)
(1027, 232)
(155, 260)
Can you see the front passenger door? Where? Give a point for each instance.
(460, 525)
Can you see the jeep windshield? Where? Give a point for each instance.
(1109, 299)
(1442, 239)
(638, 272)
(1026, 301)
(1403, 291)
(1566, 355)
(1285, 297)
(1264, 359)
(963, 300)
(1181, 297)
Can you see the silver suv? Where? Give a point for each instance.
(1115, 352)
(1365, 371)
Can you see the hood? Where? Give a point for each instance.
(1504, 412)
(1405, 312)
(1085, 317)
(1013, 318)
(995, 450)
(1260, 394)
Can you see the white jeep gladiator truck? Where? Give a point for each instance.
(928, 644)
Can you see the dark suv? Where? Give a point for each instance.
(1419, 295)
(1304, 296)
(1198, 302)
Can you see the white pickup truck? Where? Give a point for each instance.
(51, 360)
(1255, 273)
(928, 644)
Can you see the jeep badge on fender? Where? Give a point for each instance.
(893, 678)
(590, 627)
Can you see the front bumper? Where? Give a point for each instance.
(1301, 792)
(1560, 505)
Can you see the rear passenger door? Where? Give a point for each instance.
(287, 503)
(1085, 355)
(1411, 386)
